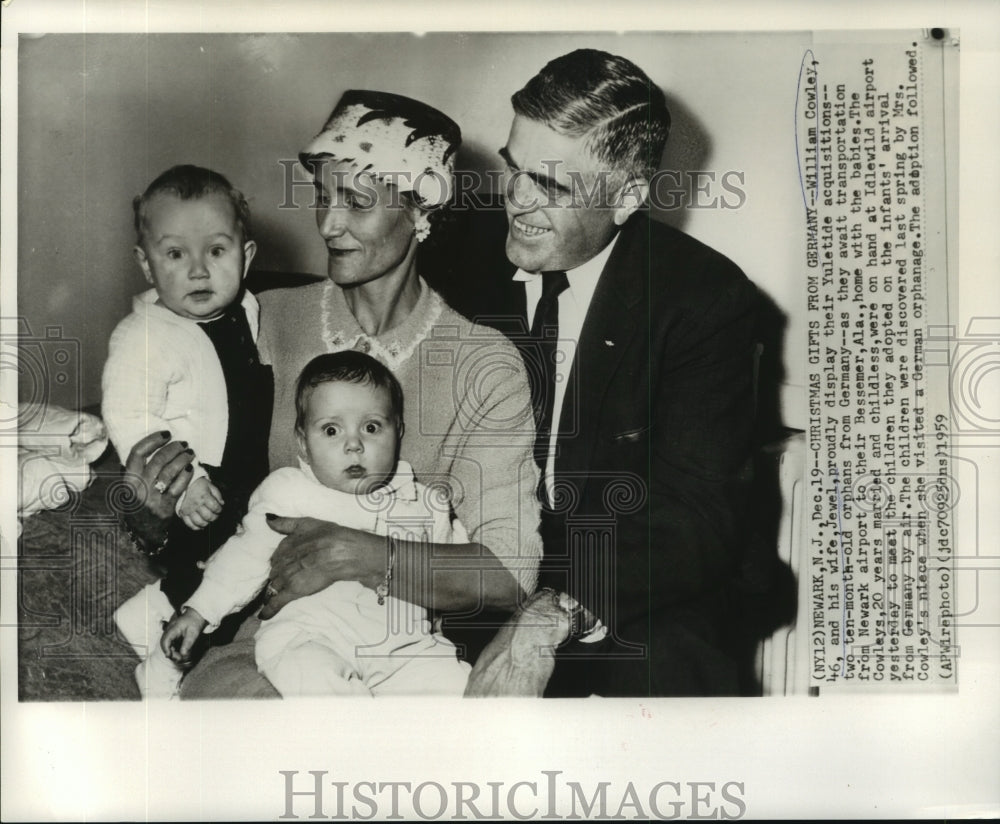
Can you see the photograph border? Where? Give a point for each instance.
(932, 756)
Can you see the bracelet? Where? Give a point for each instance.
(382, 590)
(138, 542)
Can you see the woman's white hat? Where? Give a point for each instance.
(395, 139)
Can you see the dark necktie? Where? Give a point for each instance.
(544, 335)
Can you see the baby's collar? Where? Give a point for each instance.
(402, 485)
(145, 304)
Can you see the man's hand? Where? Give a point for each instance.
(520, 658)
(201, 505)
(180, 635)
(316, 554)
(159, 470)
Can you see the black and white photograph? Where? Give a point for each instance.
(435, 413)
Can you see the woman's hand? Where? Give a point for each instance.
(316, 554)
(159, 470)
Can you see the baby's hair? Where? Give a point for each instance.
(349, 366)
(191, 182)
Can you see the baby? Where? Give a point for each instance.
(347, 638)
(185, 362)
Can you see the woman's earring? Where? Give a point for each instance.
(421, 228)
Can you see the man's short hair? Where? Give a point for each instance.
(605, 98)
(349, 366)
(189, 182)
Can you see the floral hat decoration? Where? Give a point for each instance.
(394, 139)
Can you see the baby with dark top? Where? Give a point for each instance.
(185, 361)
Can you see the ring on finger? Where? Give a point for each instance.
(270, 592)
(160, 487)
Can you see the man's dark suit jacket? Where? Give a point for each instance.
(654, 439)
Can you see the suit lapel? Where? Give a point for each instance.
(615, 317)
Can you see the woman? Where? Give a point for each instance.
(382, 167)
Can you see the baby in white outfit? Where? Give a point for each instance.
(347, 638)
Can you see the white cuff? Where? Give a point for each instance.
(597, 633)
(201, 602)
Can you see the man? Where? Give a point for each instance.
(645, 420)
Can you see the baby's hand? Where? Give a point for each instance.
(201, 505)
(180, 634)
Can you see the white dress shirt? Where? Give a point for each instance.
(573, 305)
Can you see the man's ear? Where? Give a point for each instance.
(140, 257)
(633, 194)
(249, 251)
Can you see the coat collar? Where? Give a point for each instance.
(624, 282)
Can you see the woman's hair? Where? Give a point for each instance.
(190, 183)
(349, 366)
(605, 98)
